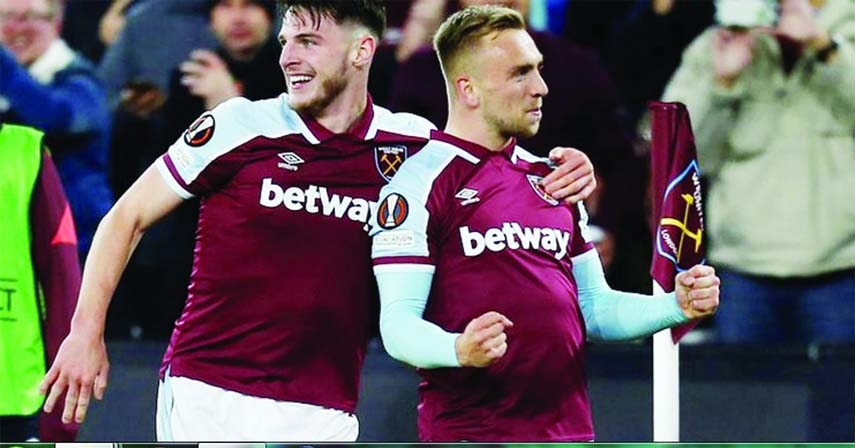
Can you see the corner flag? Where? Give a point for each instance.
(678, 243)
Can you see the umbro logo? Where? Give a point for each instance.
(468, 196)
(289, 161)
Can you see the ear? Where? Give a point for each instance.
(366, 45)
(58, 22)
(466, 91)
(58, 18)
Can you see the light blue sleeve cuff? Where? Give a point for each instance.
(612, 316)
(404, 291)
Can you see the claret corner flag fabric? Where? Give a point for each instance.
(679, 241)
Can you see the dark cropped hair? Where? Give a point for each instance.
(370, 13)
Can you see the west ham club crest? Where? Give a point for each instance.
(535, 182)
(680, 235)
(388, 159)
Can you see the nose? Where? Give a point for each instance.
(241, 13)
(540, 88)
(288, 56)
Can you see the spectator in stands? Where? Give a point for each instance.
(136, 67)
(773, 111)
(46, 85)
(244, 64)
(135, 70)
(399, 15)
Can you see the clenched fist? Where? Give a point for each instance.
(484, 340)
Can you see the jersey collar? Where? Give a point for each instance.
(473, 148)
(317, 133)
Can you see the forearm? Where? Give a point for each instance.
(114, 242)
(620, 316)
(836, 76)
(406, 335)
(111, 23)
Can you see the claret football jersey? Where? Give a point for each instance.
(282, 299)
(496, 242)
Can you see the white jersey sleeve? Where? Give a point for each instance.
(401, 226)
(402, 248)
(202, 159)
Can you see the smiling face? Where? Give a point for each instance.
(506, 71)
(28, 27)
(315, 60)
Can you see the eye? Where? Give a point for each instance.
(521, 72)
(307, 42)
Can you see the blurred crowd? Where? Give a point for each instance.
(770, 86)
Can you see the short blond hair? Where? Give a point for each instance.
(465, 28)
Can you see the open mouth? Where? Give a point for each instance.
(298, 81)
(18, 43)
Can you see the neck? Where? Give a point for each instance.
(470, 126)
(340, 115)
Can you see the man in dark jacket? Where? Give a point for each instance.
(244, 64)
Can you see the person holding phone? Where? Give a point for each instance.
(771, 91)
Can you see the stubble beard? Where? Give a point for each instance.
(329, 90)
(507, 128)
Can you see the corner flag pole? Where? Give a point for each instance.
(678, 244)
(666, 385)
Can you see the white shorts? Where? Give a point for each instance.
(192, 411)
